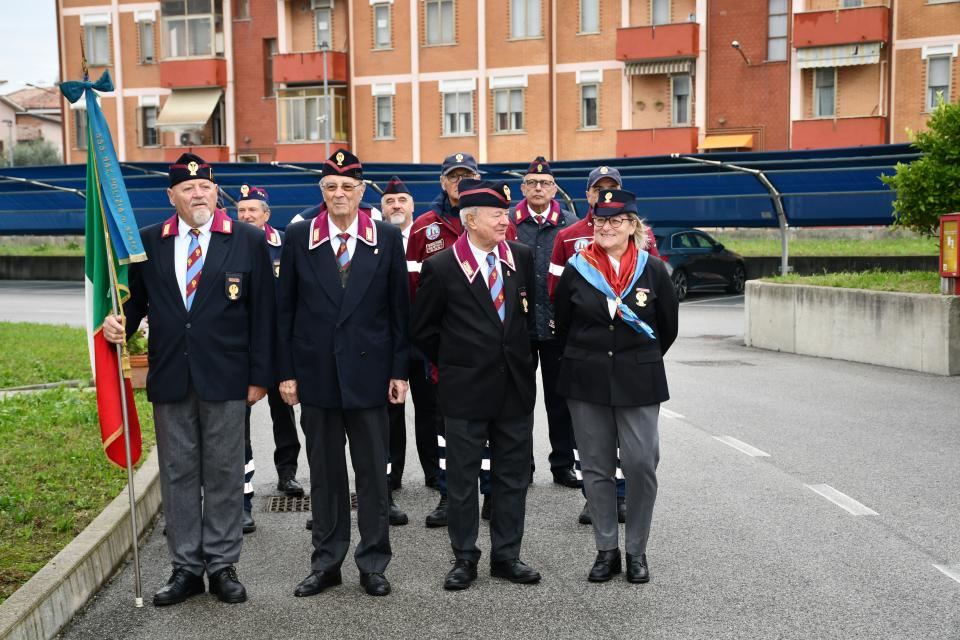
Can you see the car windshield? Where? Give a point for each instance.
(659, 241)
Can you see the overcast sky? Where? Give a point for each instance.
(28, 43)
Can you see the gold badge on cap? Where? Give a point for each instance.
(245, 190)
(604, 170)
(459, 157)
(608, 197)
(506, 191)
(539, 168)
(192, 167)
(340, 157)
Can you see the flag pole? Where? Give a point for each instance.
(118, 311)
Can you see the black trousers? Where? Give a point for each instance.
(559, 425)
(326, 432)
(511, 445)
(425, 419)
(285, 440)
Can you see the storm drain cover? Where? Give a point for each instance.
(301, 504)
(717, 363)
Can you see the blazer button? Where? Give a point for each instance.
(363, 354)
(610, 353)
(502, 369)
(186, 353)
(611, 327)
(187, 325)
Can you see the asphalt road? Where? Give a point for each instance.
(766, 459)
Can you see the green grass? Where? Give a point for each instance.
(38, 353)
(756, 247)
(71, 248)
(54, 476)
(907, 281)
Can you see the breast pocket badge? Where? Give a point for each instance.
(522, 292)
(642, 297)
(276, 268)
(233, 285)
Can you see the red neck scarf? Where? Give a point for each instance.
(596, 256)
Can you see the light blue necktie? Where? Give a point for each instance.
(194, 266)
(496, 285)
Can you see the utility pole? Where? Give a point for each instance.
(326, 103)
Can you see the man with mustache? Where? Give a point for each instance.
(208, 285)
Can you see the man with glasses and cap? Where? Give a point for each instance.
(342, 354)
(253, 207)
(538, 219)
(208, 286)
(473, 317)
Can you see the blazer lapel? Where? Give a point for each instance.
(363, 265)
(481, 292)
(324, 266)
(168, 273)
(209, 276)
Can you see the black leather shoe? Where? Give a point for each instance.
(376, 584)
(607, 565)
(584, 517)
(287, 485)
(464, 572)
(566, 478)
(181, 585)
(621, 510)
(316, 582)
(438, 517)
(514, 571)
(309, 525)
(487, 507)
(397, 517)
(249, 526)
(432, 483)
(637, 570)
(226, 586)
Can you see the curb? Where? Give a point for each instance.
(47, 602)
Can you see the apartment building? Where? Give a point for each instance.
(414, 80)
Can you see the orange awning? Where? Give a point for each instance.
(738, 141)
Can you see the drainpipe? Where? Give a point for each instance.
(775, 197)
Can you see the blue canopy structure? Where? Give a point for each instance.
(826, 187)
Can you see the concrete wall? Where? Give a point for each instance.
(41, 267)
(920, 332)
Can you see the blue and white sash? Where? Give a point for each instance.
(592, 275)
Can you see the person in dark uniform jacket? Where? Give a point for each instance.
(253, 207)
(473, 317)
(208, 287)
(538, 219)
(342, 353)
(616, 313)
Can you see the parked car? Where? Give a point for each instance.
(698, 262)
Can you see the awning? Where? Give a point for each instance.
(659, 67)
(737, 141)
(841, 55)
(188, 108)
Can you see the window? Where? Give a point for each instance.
(149, 134)
(589, 16)
(524, 18)
(439, 21)
(680, 89)
(323, 19)
(269, 50)
(242, 12)
(458, 113)
(80, 126)
(824, 92)
(938, 80)
(147, 53)
(777, 30)
(508, 110)
(248, 157)
(851, 4)
(588, 106)
(190, 27)
(660, 12)
(384, 117)
(306, 115)
(96, 41)
(381, 26)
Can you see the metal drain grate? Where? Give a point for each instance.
(287, 504)
(717, 363)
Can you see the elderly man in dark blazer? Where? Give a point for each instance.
(473, 316)
(208, 286)
(342, 353)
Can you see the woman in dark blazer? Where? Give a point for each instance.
(616, 312)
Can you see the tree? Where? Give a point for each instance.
(929, 187)
(35, 153)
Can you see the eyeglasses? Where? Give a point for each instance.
(615, 223)
(457, 177)
(331, 187)
(546, 184)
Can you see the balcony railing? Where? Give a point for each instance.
(840, 132)
(841, 26)
(656, 142)
(193, 72)
(681, 40)
(307, 67)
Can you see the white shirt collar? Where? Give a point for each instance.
(335, 230)
(183, 229)
(480, 255)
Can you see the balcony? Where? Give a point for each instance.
(841, 26)
(210, 153)
(656, 142)
(307, 67)
(841, 132)
(193, 72)
(681, 40)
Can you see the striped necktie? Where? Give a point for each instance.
(194, 265)
(343, 256)
(496, 285)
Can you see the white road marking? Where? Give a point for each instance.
(842, 500)
(742, 447)
(952, 571)
(666, 413)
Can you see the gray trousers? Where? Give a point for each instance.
(327, 432)
(200, 448)
(597, 428)
(511, 445)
